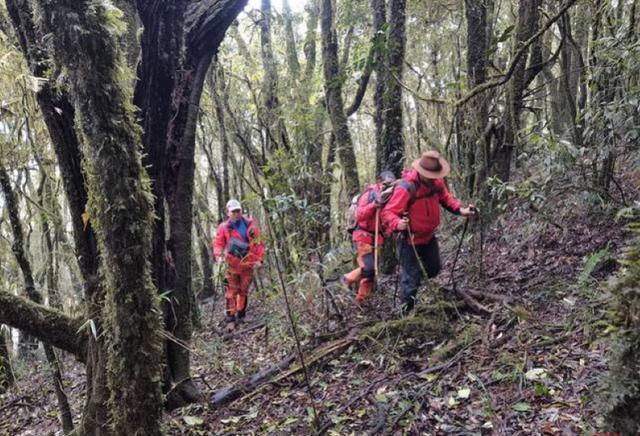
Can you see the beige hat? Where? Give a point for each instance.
(233, 204)
(431, 165)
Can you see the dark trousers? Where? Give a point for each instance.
(410, 270)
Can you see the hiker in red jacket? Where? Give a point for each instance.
(369, 204)
(414, 211)
(239, 244)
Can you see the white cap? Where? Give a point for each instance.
(233, 204)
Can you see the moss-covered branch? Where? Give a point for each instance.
(44, 323)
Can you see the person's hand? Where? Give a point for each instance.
(384, 196)
(257, 266)
(220, 260)
(468, 211)
(403, 224)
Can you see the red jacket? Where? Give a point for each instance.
(424, 210)
(227, 237)
(366, 217)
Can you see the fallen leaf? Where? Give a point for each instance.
(192, 421)
(464, 393)
(521, 407)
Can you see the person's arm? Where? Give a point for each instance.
(219, 243)
(257, 245)
(397, 205)
(366, 211)
(447, 200)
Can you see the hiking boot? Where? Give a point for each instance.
(241, 317)
(230, 326)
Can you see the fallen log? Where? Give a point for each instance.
(250, 386)
(469, 300)
(230, 393)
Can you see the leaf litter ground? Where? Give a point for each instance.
(530, 367)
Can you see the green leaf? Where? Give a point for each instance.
(506, 34)
(521, 407)
(381, 398)
(540, 390)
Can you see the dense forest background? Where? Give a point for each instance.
(125, 127)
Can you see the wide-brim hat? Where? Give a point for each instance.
(431, 165)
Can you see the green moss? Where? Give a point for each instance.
(620, 388)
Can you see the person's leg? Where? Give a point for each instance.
(410, 274)
(355, 275)
(242, 298)
(366, 258)
(430, 257)
(233, 284)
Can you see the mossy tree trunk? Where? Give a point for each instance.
(275, 134)
(197, 36)
(620, 394)
(121, 209)
(527, 26)
(391, 154)
(333, 81)
(477, 114)
(178, 44)
(7, 378)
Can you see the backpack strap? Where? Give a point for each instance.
(412, 189)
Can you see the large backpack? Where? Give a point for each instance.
(350, 218)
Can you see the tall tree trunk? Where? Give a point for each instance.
(379, 22)
(290, 41)
(275, 135)
(477, 113)
(85, 44)
(193, 33)
(528, 17)
(391, 155)
(333, 90)
(45, 195)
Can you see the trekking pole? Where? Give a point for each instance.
(455, 259)
(395, 290)
(375, 250)
(216, 277)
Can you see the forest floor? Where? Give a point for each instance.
(530, 366)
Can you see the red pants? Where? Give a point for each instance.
(238, 282)
(365, 273)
